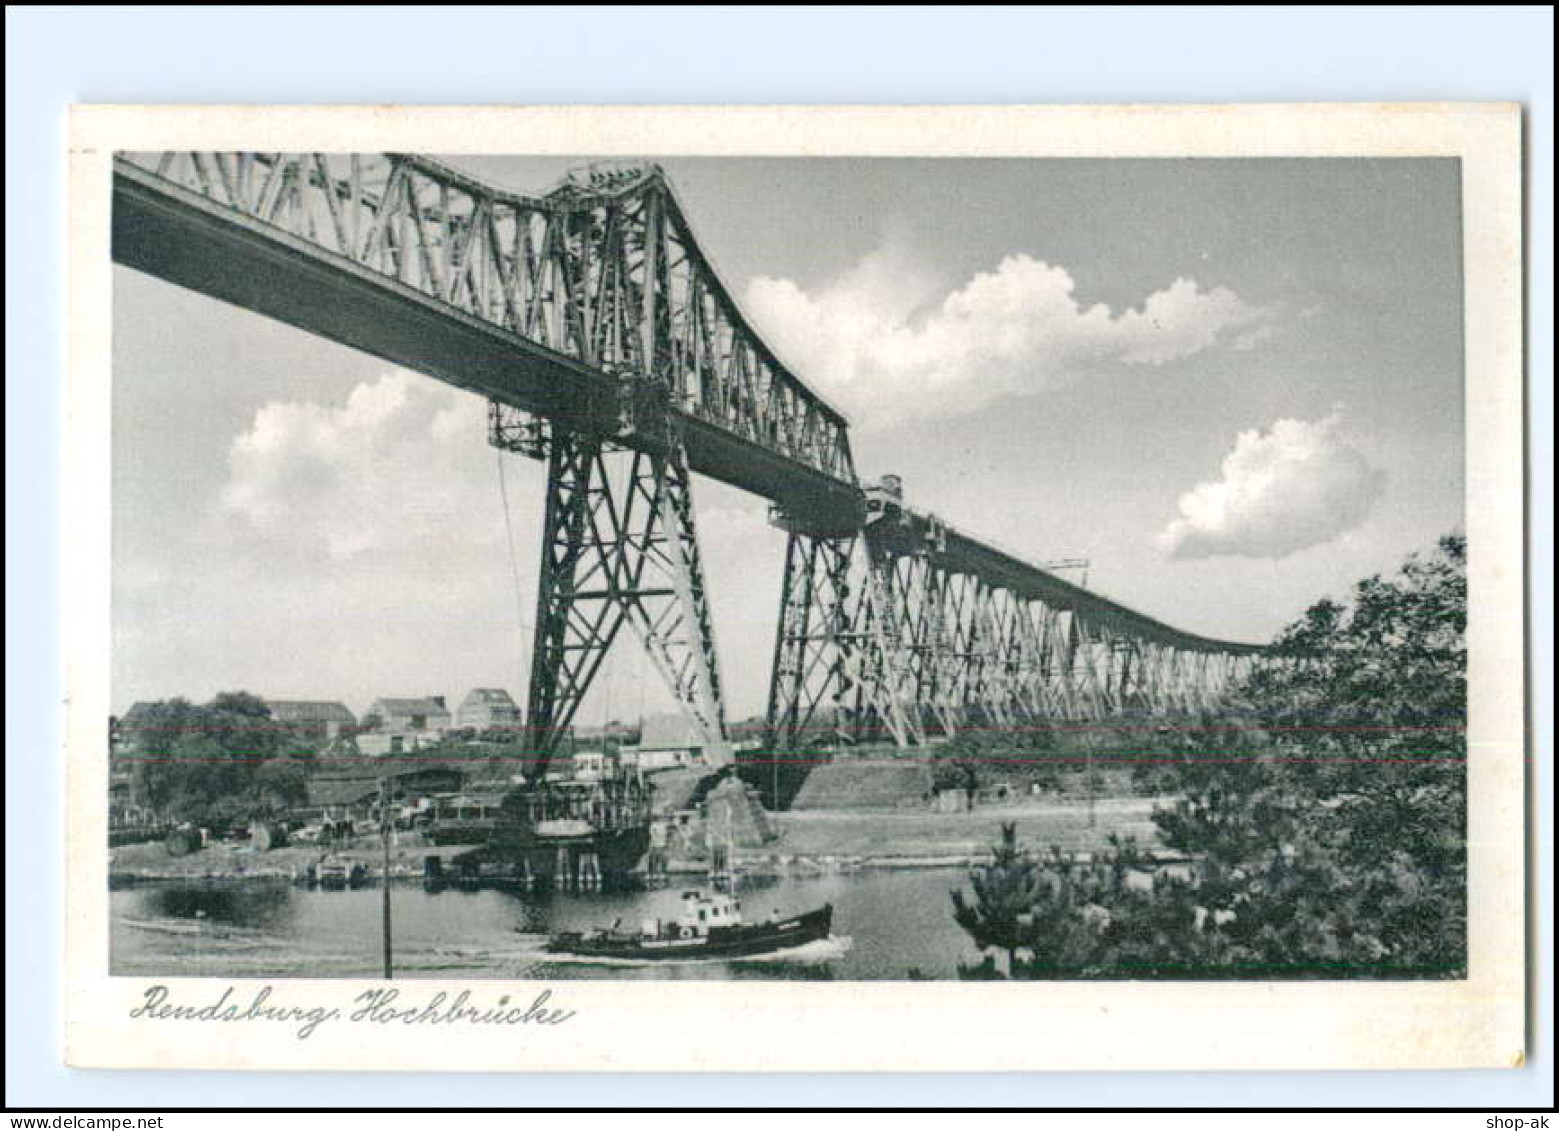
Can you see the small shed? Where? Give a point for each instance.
(951, 801)
(399, 725)
(665, 742)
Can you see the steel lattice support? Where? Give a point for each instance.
(882, 638)
(888, 685)
(920, 585)
(814, 645)
(619, 548)
(842, 655)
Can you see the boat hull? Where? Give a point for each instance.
(720, 942)
(613, 853)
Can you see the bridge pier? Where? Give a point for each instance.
(619, 548)
(843, 661)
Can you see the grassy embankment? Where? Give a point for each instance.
(913, 836)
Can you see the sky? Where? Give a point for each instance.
(1234, 386)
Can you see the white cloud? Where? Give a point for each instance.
(1295, 485)
(363, 541)
(1254, 337)
(869, 338)
(384, 471)
(354, 548)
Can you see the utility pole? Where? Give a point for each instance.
(1092, 791)
(384, 835)
(1058, 564)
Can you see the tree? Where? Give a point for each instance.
(955, 769)
(198, 763)
(1005, 895)
(1049, 916)
(280, 784)
(1360, 794)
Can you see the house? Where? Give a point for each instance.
(399, 726)
(581, 765)
(488, 708)
(665, 741)
(311, 720)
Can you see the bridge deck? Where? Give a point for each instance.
(226, 250)
(196, 243)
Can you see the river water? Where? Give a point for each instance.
(885, 924)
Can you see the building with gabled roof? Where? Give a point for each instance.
(311, 718)
(350, 788)
(401, 725)
(489, 708)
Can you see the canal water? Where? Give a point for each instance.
(886, 923)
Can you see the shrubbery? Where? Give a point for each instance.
(224, 760)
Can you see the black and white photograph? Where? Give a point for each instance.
(808, 569)
(794, 589)
(753, 558)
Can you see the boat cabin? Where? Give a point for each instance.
(699, 912)
(702, 910)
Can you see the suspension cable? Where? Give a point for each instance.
(514, 568)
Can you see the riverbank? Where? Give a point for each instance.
(150, 861)
(1071, 826)
(811, 842)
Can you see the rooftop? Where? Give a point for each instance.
(365, 768)
(309, 711)
(494, 695)
(423, 706)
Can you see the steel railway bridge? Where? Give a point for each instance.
(608, 347)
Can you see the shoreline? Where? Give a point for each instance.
(808, 842)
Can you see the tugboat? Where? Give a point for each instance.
(709, 926)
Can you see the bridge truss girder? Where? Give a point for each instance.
(883, 641)
(601, 275)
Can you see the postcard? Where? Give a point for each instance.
(893, 588)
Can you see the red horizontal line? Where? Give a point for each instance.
(365, 761)
(961, 730)
(1190, 759)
